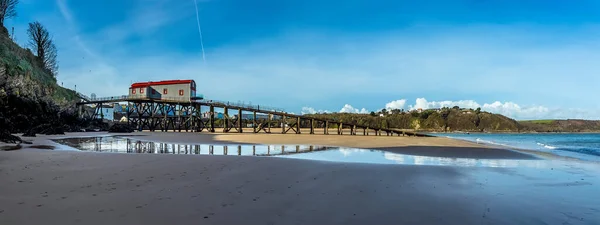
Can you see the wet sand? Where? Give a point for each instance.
(68, 187)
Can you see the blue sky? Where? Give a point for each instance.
(526, 59)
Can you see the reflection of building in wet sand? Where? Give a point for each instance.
(128, 145)
(134, 146)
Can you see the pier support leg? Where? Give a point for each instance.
(326, 131)
(269, 123)
(212, 119)
(312, 126)
(254, 121)
(297, 125)
(283, 124)
(239, 121)
(225, 120)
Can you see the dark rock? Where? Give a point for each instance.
(9, 138)
(120, 128)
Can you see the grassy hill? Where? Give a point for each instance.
(23, 74)
(30, 98)
(571, 125)
(468, 120)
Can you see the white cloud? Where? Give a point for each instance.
(422, 103)
(349, 109)
(311, 110)
(509, 109)
(397, 104)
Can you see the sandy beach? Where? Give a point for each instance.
(73, 187)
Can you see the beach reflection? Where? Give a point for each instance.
(117, 144)
(128, 145)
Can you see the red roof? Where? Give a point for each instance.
(164, 82)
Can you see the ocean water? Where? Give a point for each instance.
(584, 146)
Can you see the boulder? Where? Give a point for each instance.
(120, 128)
(9, 138)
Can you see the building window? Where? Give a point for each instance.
(133, 91)
(165, 91)
(180, 92)
(141, 91)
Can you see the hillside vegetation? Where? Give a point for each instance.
(456, 119)
(30, 99)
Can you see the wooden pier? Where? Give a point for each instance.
(164, 115)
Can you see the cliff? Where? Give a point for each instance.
(29, 95)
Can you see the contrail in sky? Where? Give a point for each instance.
(200, 31)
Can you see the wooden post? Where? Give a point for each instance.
(269, 123)
(224, 150)
(283, 124)
(225, 119)
(353, 132)
(312, 126)
(365, 131)
(212, 119)
(297, 148)
(198, 120)
(239, 150)
(179, 118)
(254, 121)
(253, 149)
(297, 125)
(240, 121)
(341, 129)
(326, 131)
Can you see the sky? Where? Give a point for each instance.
(527, 59)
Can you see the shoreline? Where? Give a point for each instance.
(417, 146)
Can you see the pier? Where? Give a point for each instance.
(199, 115)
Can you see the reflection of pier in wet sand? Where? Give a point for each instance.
(127, 145)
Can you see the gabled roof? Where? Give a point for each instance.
(164, 82)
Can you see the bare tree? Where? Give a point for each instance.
(41, 42)
(7, 9)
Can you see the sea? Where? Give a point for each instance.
(585, 146)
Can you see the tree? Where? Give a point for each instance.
(41, 42)
(7, 10)
(384, 111)
(373, 113)
(478, 110)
